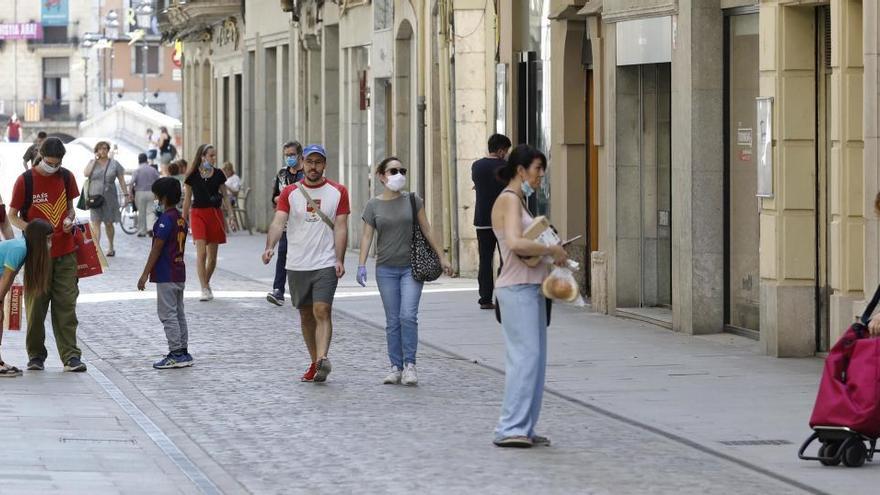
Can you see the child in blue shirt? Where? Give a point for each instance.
(166, 269)
(33, 253)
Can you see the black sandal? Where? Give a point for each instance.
(518, 441)
(111, 253)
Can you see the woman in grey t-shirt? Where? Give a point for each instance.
(103, 173)
(390, 216)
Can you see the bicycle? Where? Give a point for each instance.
(128, 218)
(128, 214)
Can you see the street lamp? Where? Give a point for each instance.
(111, 25)
(88, 41)
(144, 15)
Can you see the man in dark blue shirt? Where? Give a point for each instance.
(291, 172)
(484, 173)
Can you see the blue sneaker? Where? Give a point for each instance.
(174, 361)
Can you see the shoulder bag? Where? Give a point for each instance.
(95, 201)
(321, 214)
(425, 263)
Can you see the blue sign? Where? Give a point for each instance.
(54, 12)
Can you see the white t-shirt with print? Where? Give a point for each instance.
(310, 241)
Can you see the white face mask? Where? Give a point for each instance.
(47, 169)
(395, 182)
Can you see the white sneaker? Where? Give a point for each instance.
(210, 294)
(393, 376)
(409, 376)
(206, 294)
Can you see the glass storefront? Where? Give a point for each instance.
(742, 309)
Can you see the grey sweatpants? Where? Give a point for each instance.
(170, 308)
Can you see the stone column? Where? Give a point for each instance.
(847, 228)
(698, 168)
(471, 121)
(258, 116)
(788, 241)
(871, 131)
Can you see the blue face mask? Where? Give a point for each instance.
(206, 166)
(527, 189)
(290, 161)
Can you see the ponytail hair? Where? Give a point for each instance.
(522, 156)
(200, 153)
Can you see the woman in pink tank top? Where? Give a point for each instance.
(522, 305)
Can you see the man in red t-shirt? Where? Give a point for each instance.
(316, 214)
(13, 129)
(52, 193)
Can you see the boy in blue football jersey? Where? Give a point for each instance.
(166, 269)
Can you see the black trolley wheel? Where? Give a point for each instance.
(855, 453)
(830, 450)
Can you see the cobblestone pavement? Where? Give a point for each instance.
(243, 404)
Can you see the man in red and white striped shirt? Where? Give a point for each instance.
(315, 212)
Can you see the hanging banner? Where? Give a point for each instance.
(54, 12)
(21, 31)
(765, 146)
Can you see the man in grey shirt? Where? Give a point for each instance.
(142, 185)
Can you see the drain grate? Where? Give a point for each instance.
(755, 442)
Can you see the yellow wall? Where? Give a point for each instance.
(788, 244)
(847, 229)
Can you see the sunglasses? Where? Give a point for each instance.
(395, 171)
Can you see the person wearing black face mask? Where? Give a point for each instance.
(291, 172)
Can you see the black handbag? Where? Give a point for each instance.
(96, 201)
(425, 263)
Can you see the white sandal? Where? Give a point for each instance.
(7, 371)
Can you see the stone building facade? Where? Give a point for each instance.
(46, 72)
(717, 156)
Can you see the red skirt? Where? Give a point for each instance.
(208, 225)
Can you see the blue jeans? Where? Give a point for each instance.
(524, 321)
(280, 267)
(400, 296)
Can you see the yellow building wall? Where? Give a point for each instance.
(847, 223)
(788, 244)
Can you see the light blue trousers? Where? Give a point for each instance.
(524, 321)
(400, 294)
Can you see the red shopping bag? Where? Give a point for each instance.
(12, 308)
(88, 260)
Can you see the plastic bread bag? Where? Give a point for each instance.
(561, 286)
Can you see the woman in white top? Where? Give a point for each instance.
(152, 146)
(233, 182)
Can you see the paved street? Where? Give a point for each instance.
(240, 421)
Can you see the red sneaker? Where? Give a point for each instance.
(310, 373)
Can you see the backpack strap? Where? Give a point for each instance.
(28, 177)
